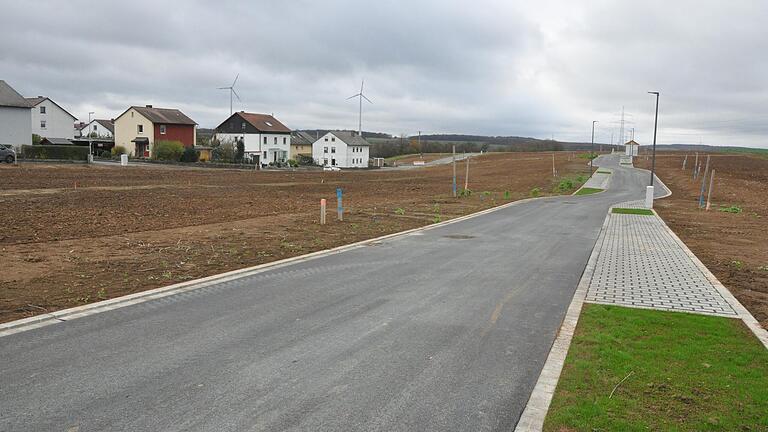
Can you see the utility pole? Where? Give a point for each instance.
(633, 134)
(90, 144)
(592, 148)
(454, 170)
(554, 171)
(421, 152)
(655, 126)
(466, 176)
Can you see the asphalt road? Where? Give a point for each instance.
(445, 329)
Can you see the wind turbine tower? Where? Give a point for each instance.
(232, 92)
(360, 96)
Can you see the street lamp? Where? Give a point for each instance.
(655, 124)
(90, 145)
(592, 147)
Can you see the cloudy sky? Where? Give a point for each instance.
(542, 69)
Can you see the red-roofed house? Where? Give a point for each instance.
(139, 127)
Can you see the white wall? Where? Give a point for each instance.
(357, 156)
(58, 123)
(254, 143)
(15, 126)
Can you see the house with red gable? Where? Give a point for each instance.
(138, 128)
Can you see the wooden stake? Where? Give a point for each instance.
(711, 183)
(322, 211)
(466, 177)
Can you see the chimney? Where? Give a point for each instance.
(149, 106)
(40, 97)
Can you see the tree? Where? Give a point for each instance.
(240, 151)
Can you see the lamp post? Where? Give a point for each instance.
(592, 147)
(655, 124)
(90, 145)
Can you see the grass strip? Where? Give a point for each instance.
(681, 372)
(603, 172)
(633, 211)
(588, 191)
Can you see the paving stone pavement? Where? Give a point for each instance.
(640, 264)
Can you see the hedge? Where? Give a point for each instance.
(64, 152)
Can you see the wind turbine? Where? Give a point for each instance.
(360, 96)
(232, 92)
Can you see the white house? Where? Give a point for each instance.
(631, 148)
(343, 149)
(98, 128)
(50, 120)
(15, 117)
(265, 139)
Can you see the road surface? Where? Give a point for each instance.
(445, 329)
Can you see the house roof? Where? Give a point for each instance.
(162, 115)
(351, 138)
(35, 101)
(10, 97)
(107, 124)
(301, 138)
(263, 122)
(632, 142)
(56, 141)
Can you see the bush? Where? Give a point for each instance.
(535, 192)
(190, 155)
(565, 185)
(167, 150)
(106, 154)
(305, 160)
(119, 150)
(63, 152)
(292, 163)
(36, 139)
(223, 151)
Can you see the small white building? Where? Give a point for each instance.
(631, 148)
(15, 123)
(266, 140)
(342, 149)
(50, 120)
(100, 128)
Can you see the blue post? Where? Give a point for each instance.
(339, 207)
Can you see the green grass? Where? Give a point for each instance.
(588, 191)
(603, 172)
(633, 211)
(688, 373)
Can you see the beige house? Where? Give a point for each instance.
(301, 144)
(138, 128)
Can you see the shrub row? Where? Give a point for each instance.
(65, 152)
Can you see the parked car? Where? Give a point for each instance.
(7, 153)
(331, 168)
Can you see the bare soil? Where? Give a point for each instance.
(734, 246)
(75, 234)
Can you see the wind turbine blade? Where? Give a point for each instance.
(223, 88)
(361, 86)
(369, 101)
(236, 95)
(353, 96)
(233, 82)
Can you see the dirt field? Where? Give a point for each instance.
(734, 246)
(426, 157)
(124, 230)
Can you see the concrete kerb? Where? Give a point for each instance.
(536, 409)
(607, 184)
(64, 315)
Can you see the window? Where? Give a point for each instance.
(131, 114)
(94, 127)
(285, 140)
(333, 139)
(326, 139)
(333, 149)
(140, 129)
(162, 129)
(242, 126)
(42, 124)
(275, 141)
(265, 140)
(325, 149)
(42, 110)
(333, 162)
(325, 161)
(265, 153)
